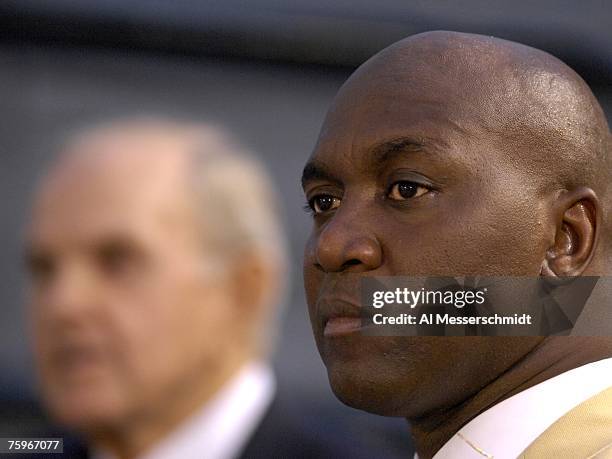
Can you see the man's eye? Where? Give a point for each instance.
(42, 268)
(400, 191)
(323, 203)
(116, 258)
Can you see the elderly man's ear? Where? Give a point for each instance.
(255, 279)
(576, 232)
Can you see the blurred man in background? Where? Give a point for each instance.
(157, 262)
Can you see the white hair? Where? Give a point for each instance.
(241, 213)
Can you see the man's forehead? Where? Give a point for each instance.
(389, 98)
(106, 188)
(119, 160)
(453, 88)
(364, 139)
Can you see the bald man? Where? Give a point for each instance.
(157, 263)
(451, 154)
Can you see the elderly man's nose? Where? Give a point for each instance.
(341, 248)
(70, 293)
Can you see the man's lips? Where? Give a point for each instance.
(338, 326)
(339, 317)
(76, 357)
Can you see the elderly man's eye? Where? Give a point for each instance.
(323, 203)
(117, 258)
(41, 267)
(400, 191)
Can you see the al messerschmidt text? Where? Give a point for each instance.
(448, 319)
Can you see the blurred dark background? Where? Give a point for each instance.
(266, 69)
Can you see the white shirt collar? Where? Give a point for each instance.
(223, 426)
(506, 429)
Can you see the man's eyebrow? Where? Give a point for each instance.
(33, 255)
(317, 171)
(379, 153)
(388, 149)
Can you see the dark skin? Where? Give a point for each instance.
(453, 154)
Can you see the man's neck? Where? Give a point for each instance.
(553, 356)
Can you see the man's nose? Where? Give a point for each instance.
(70, 294)
(343, 245)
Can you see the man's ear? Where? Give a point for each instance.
(576, 234)
(255, 283)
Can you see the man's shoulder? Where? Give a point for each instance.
(584, 431)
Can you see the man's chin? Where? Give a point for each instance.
(374, 392)
(83, 412)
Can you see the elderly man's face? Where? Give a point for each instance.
(402, 182)
(125, 312)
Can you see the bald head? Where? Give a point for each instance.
(137, 153)
(535, 105)
(199, 163)
(524, 95)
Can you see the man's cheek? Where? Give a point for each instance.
(313, 279)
